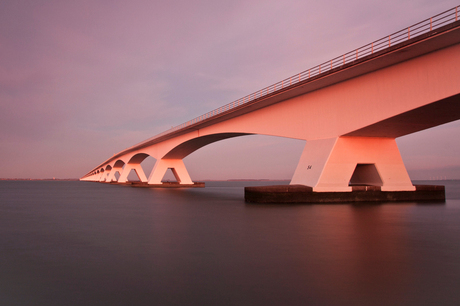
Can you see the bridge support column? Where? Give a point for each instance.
(98, 176)
(104, 176)
(111, 176)
(336, 163)
(137, 168)
(177, 167)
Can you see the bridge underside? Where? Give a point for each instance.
(425, 117)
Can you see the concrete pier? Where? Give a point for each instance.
(163, 185)
(297, 194)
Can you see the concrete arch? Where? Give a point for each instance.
(105, 172)
(134, 163)
(138, 158)
(189, 146)
(173, 152)
(168, 156)
(118, 164)
(117, 167)
(101, 174)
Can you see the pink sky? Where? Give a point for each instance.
(83, 80)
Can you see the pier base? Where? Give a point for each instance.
(292, 194)
(163, 185)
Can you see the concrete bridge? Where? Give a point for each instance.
(349, 110)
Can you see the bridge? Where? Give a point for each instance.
(349, 110)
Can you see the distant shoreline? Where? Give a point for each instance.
(30, 179)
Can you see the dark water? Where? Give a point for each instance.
(76, 243)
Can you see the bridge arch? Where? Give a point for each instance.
(102, 174)
(182, 150)
(134, 163)
(116, 168)
(172, 159)
(184, 147)
(105, 172)
(118, 164)
(138, 158)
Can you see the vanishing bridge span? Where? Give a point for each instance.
(349, 110)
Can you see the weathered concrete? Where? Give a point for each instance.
(297, 194)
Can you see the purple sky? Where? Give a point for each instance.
(82, 80)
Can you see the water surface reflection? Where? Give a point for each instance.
(96, 244)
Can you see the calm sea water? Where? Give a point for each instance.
(77, 243)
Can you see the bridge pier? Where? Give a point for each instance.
(177, 167)
(137, 168)
(99, 175)
(104, 176)
(107, 172)
(336, 164)
(114, 170)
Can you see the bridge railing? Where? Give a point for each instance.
(393, 39)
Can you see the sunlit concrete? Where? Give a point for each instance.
(329, 164)
(349, 117)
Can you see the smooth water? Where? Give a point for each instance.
(77, 243)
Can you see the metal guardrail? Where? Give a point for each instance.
(415, 30)
(425, 26)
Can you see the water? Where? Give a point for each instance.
(76, 243)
